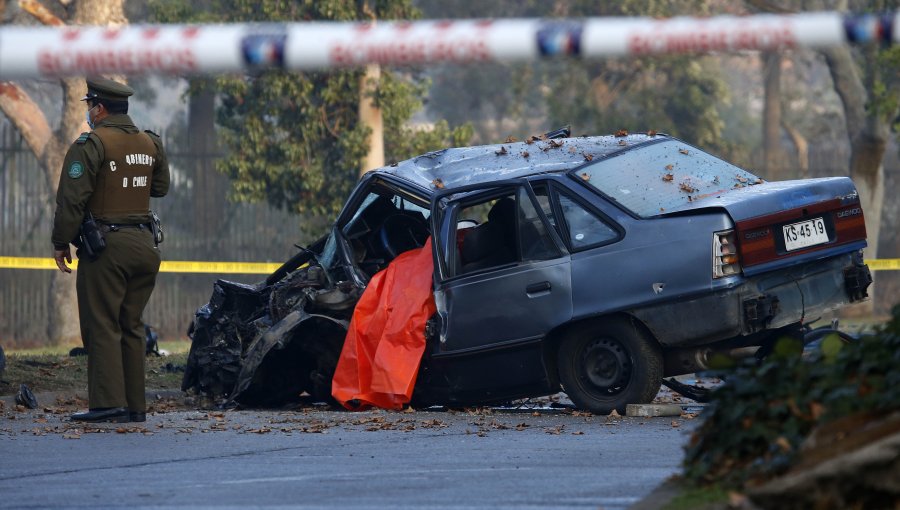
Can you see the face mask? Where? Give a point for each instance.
(87, 116)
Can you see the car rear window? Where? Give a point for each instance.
(663, 177)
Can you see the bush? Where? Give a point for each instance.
(764, 411)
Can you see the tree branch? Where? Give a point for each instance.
(25, 115)
(40, 13)
(849, 87)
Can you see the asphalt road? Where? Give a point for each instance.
(315, 458)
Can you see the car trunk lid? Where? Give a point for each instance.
(779, 222)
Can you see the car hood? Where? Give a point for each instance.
(770, 197)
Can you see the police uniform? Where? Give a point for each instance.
(111, 173)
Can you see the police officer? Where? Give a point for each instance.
(110, 174)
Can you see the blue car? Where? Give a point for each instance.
(592, 265)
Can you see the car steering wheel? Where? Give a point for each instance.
(401, 232)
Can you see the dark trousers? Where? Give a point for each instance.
(112, 293)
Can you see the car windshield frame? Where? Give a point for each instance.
(659, 177)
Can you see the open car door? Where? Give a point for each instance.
(502, 282)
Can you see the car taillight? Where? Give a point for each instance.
(726, 261)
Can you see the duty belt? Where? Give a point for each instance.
(115, 227)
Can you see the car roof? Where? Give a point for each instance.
(462, 166)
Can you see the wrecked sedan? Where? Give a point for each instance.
(592, 265)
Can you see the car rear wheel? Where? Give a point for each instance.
(607, 365)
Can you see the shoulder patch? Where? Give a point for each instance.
(83, 138)
(76, 170)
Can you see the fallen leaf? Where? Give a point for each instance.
(501, 152)
(572, 149)
(652, 132)
(676, 423)
(687, 188)
(409, 410)
(555, 144)
(71, 436)
(816, 410)
(623, 143)
(535, 413)
(736, 500)
(531, 140)
(783, 443)
(588, 157)
(578, 433)
(522, 426)
(758, 181)
(438, 183)
(511, 139)
(614, 414)
(668, 177)
(620, 133)
(585, 176)
(684, 151)
(525, 154)
(669, 167)
(740, 179)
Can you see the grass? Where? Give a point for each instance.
(52, 369)
(699, 498)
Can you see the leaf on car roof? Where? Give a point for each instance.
(438, 183)
(668, 177)
(759, 181)
(502, 151)
(588, 157)
(572, 149)
(531, 140)
(511, 139)
(687, 187)
(555, 144)
(652, 132)
(623, 142)
(738, 185)
(525, 154)
(669, 166)
(740, 179)
(684, 151)
(622, 132)
(585, 176)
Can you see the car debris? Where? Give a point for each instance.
(551, 272)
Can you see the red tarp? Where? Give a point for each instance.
(386, 339)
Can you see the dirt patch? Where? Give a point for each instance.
(53, 372)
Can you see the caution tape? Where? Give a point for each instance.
(883, 264)
(167, 266)
(190, 266)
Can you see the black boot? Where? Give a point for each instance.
(103, 414)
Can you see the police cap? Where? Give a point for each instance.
(101, 88)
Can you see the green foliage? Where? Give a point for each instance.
(763, 412)
(294, 139)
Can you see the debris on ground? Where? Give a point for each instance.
(25, 397)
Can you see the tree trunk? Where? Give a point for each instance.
(802, 147)
(370, 116)
(50, 148)
(868, 141)
(775, 164)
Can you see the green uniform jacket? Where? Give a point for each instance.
(78, 179)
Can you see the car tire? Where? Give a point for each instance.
(607, 365)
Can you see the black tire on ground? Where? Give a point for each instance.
(609, 364)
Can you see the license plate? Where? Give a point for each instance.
(804, 233)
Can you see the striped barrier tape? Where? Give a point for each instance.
(191, 266)
(33, 52)
(167, 266)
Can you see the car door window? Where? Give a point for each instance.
(583, 227)
(508, 230)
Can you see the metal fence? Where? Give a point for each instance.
(199, 222)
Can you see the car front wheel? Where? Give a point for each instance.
(607, 365)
